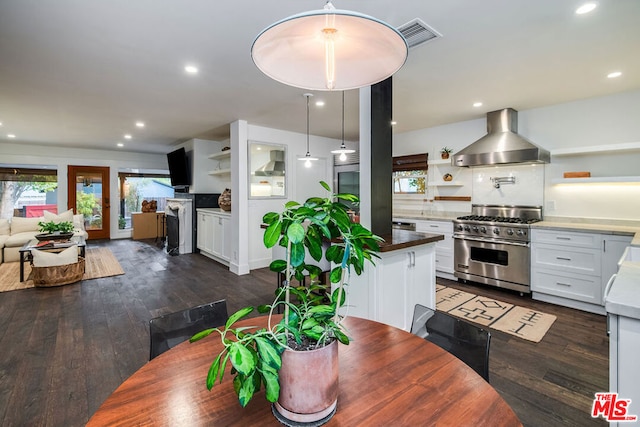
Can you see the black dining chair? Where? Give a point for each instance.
(464, 340)
(171, 329)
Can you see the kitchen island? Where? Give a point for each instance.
(402, 277)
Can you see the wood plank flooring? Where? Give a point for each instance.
(64, 350)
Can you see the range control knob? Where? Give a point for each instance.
(475, 228)
(467, 228)
(522, 233)
(483, 229)
(496, 231)
(459, 228)
(510, 232)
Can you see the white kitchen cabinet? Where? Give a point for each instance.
(572, 268)
(444, 248)
(624, 347)
(389, 291)
(214, 235)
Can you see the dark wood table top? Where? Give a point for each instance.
(387, 377)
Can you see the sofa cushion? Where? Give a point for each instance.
(66, 216)
(3, 239)
(5, 228)
(19, 239)
(52, 259)
(20, 225)
(78, 222)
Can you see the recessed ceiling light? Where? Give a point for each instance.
(10, 135)
(614, 74)
(140, 124)
(393, 123)
(477, 104)
(0, 123)
(586, 8)
(319, 103)
(120, 144)
(191, 69)
(127, 136)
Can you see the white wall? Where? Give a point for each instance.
(300, 183)
(61, 157)
(599, 121)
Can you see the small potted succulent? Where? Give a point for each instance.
(311, 326)
(445, 152)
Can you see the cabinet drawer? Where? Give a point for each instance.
(444, 262)
(438, 227)
(564, 284)
(582, 240)
(576, 260)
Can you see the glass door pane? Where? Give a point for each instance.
(89, 199)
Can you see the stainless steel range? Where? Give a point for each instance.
(492, 245)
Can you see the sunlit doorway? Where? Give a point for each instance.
(89, 195)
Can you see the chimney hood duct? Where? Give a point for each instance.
(501, 144)
(275, 165)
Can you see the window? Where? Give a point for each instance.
(137, 187)
(27, 191)
(410, 182)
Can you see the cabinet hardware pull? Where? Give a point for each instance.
(563, 259)
(563, 238)
(563, 284)
(434, 226)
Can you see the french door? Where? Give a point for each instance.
(88, 194)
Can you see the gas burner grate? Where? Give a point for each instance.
(502, 219)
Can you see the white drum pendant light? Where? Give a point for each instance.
(329, 49)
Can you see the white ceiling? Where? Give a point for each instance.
(80, 73)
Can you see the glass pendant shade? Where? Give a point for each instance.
(329, 49)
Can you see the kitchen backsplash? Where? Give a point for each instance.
(509, 185)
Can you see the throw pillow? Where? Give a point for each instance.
(4, 226)
(78, 222)
(52, 259)
(66, 216)
(20, 225)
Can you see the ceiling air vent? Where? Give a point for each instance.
(417, 32)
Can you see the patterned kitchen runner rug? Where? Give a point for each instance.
(99, 262)
(521, 322)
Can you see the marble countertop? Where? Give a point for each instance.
(624, 297)
(214, 210)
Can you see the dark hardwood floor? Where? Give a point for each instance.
(64, 350)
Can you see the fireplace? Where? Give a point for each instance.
(179, 214)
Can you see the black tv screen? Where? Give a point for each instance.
(179, 168)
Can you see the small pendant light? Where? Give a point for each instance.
(307, 157)
(343, 150)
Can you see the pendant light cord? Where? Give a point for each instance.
(343, 146)
(308, 154)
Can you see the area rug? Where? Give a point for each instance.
(521, 322)
(99, 262)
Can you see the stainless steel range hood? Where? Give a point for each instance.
(501, 144)
(275, 165)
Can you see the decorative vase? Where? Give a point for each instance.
(224, 201)
(305, 396)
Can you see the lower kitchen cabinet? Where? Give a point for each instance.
(572, 268)
(624, 347)
(214, 235)
(444, 248)
(389, 291)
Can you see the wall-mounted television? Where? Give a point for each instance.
(179, 168)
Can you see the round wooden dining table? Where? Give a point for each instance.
(388, 377)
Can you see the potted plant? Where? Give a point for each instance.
(444, 153)
(55, 230)
(311, 325)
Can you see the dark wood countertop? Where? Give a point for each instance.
(400, 239)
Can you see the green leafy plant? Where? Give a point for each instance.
(52, 227)
(122, 223)
(319, 227)
(446, 150)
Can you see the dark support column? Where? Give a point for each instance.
(381, 157)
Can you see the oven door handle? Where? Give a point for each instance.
(498, 242)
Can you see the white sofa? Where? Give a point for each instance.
(16, 232)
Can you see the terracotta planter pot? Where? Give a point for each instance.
(308, 386)
(444, 156)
